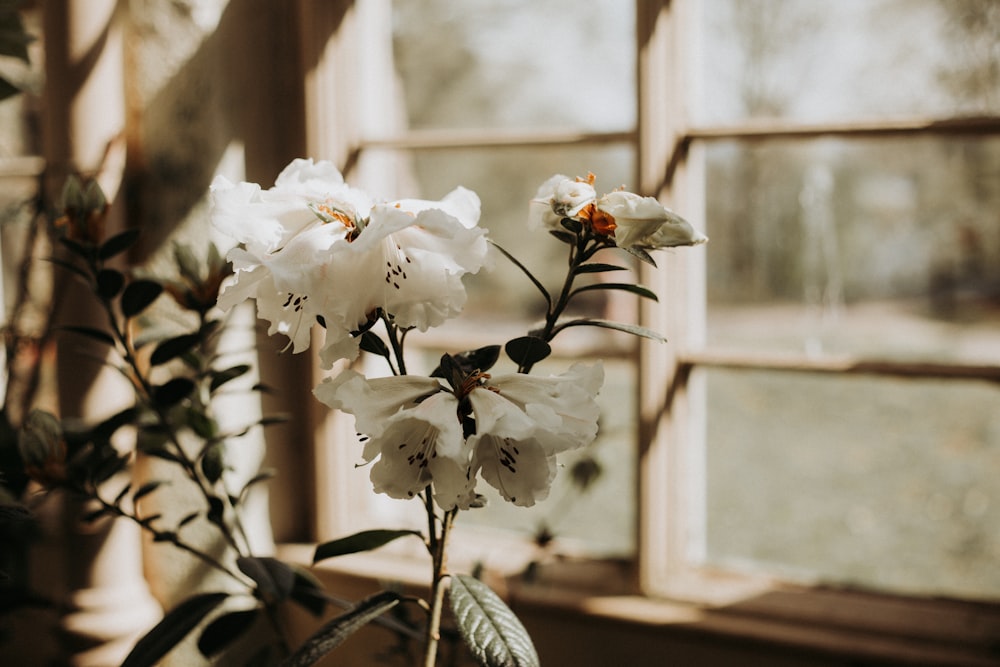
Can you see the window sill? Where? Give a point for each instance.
(590, 609)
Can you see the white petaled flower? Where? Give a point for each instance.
(522, 422)
(560, 197)
(315, 249)
(411, 430)
(643, 222)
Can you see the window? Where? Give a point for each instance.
(829, 417)
(819, 438)
(464, 97)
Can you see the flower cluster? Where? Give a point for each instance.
(315, 250)
(635, 223)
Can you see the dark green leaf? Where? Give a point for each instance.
(89, 332)
(308, 593)
(118, 243)
(166, 536)
(7, 89)
(121, 495)
(274, 578)
(220, 378)
(139, 295)
(109, 283)
(597, 267)
(173, 391)
(633, 329)
(366, 540)
(225, 629)
(174, 627)
(641, 255)
(262, 476)
(204, 426)
(216, 512)
(334, 633)
(527, 350)
(94, 515)
(146, 489)
(490, 629)
(534, 281)
(110, 426)
(188, 519)
(173, 348)
(565, 237)
(71, 267)
(14, 39)
(370, 342)
(644, 292)
(574, 226)
(187, 263)
(481, 359)
(212, 463)
(75, 247)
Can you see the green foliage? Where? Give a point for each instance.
(174, 627)
(335, 632)
(364, 541)
(490, 629)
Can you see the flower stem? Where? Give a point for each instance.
(439, 584)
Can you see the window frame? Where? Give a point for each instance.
(670, 163)
(672, 474)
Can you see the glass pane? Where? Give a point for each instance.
(878, 247)
(819, 61)
(516, 63)
(876, 483)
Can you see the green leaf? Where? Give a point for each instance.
(263, 476)
(641, 255)
(139, 295)
(174, 627)
(490, 629)
(7, 89)
(597, 267)
(118, 243)
(633, 329)
(187, 263)
(308, 592)
(213, 463)
(146, 489)
(75, 247)
(14, 39)
(274, 578)
(370, 342)
(575, 226)
(644, 292)
(173, 391)
(366, 540)
(173, 348)
(89, 332)
(224, 630)
(565, 237)
(525, 271)
(334, 633)
(109, 283)
(220, 378)
(527, 350)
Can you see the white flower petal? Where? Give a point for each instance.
(644, 222)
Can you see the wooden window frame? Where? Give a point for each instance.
(662, 588)
(672, 475)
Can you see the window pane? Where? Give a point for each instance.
(877, 483)
(516, 63)
(820, 61)
(876, 247)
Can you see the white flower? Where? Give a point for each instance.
(315, 249)
(560, 197)
(643, 222)
(522, 422)
(411, 431)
